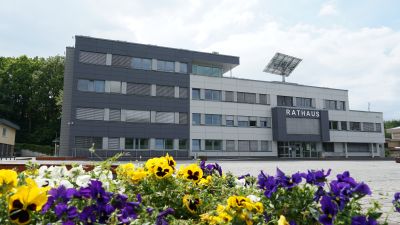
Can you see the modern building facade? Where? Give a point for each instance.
(148, 100)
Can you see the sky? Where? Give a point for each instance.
(353, 45)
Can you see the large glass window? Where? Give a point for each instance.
(183, 68)
(264, 99)
(183, 118)
(343, 125)
(265, 146)
(213, 95)
(206, 71)
(89, 114)
(368, 127)
(355, 126)
(142, 143)
(165, 91)
(183, 144)
(166, 66)
(378, 127)
(328, 147)
(196, 144)
(229, 96)
(195, 93)
(138, 89)
(265, 122)
(304, 102)
(230, 145)
(245, 97)
(333, 125)
(137, 116)
(196, 118)
(91, 85)
(160, 144)
(330, 104)
(284, 101)
(229, 121)
(213, 144)
(165, 117)
(92, 58)
(213, 119)
(115, 86)
(243, 121)
(252, 121)
(140, 63)
(164, 143)
(341, 105)
(129, 143)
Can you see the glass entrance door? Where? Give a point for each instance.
(297, 150)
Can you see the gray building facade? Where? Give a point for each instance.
(147, 101)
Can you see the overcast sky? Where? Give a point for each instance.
(352, 45)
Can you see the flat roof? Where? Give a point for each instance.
(9, 123)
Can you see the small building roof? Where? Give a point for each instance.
(393, 130)
(9, 123)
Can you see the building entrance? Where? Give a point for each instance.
(297, 150)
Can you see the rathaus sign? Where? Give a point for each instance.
(302, 113)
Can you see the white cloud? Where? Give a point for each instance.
(365, 60)
(328, 9)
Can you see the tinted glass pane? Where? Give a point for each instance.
(159, 143)
(83, 85)
(195, 144)
(99, 86)
(195, 93)
(146, 63)
(196, 118)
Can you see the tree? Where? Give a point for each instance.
(390, 124)
(28, 91)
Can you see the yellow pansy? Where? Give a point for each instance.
(8, 180)
(191, 203)
(205, 181)
(171, 161)
(27, 198)
(137, 175)
(282, 221)
(192, 172)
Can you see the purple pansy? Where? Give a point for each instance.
(267, 183)
(161, 220)
(316, 177)
(209, 169)
(396, 201)
(329, 210)
(363, 220)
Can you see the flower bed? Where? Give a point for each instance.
(158, 192)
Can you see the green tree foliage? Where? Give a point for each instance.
(29, 93)
(390, 124)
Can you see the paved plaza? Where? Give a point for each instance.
(383, 177)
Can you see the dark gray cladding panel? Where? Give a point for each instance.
(134, 102)
(148, 51)
(88, 71)
(125, 129)
(279, 125)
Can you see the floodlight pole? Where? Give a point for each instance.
(283, 78)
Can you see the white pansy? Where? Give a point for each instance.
(240, 183)
(66, 184)
(83, 180)
(42, 182)
(58, 171)
(75, 171)
(42, 171)
(254, 198)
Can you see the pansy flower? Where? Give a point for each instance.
(191, 203)
(171, 161)
(161, 220)
(396, 201)
(329, 210)
(288, 182)
(162, 169)
(363, 220)
(192, 172)
(26, 199)
(8, 180)
(316, 177)
(267, 183)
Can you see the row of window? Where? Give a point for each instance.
(132, 62)
(206, 71)
(230, 120)
(231, 145)
(129, 143)
(134, 116)
(355, 126)
(351, 147)
(130, 88)
(230, 96)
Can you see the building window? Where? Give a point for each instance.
(165, 66)
(89, 114)
(88, 142)
(129, 143)
(265, 146)
(159, 144)
(213, 95)
(368, 127)
(141, 63)
(136, 116)
(284, 101)
(115, 86)
(264, 99)
(230, 145)
(243, 121)
(113, 143)
(244, 97)
(183, 67)
(213, 145)
(183, 92)
(252, 121)
(206, 71)
(213, 119)
(378, 127)
(115, 115)
(253, 146)
(91, 85)
(355, 126)
(92, 58)
(265, 122)
(183, 118)
(164, 144)
(196, 118)
(138, 89)
(183, 144)
(358, 147)
(243, 146)
(304, 102)
(330, 104)
(141, 143)
(333, 125)
(4, 133)
(341, 105)
(165, 117)
(328, 147)
(196, 144)
(229, 121)
(121, 61)
(195, 93)
(343, 125)
(165, 91)
(229, 96)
